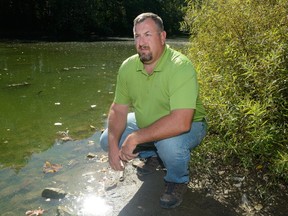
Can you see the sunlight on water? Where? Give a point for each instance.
(95, 205)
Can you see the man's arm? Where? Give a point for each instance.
(117, 120)
(177, 122)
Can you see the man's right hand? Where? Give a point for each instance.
(115, 161)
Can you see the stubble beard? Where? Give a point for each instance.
(145, 57)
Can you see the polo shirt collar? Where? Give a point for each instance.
(160, 63)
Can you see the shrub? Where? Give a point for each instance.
(240, 51)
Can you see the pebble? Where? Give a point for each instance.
(258, 207)
(91, 155)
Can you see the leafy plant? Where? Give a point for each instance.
(240, 51)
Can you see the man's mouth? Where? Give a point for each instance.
(144, 47)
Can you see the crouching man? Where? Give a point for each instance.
(160, 87)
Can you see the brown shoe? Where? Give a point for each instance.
(148, 165)
(173, 194)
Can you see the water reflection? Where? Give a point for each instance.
(95, 205)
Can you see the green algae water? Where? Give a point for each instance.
(50, 87)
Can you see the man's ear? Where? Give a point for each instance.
(163, 37)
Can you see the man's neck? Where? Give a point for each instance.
(150, 67)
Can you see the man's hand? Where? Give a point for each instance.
(117, 120)
(126, 151)
(115, 160)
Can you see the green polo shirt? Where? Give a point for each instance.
(173, 85)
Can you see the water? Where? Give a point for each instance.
(46, 88)
(63, 81)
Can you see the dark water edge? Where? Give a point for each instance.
(21, 190)
(38, 36)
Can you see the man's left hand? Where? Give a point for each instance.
(126, 151)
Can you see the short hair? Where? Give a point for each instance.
(142, 17)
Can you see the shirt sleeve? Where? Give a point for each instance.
(184, 88)
(121, 92)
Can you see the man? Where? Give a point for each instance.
(160, 85)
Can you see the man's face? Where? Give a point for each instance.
(149, 41)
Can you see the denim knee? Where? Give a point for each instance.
(130, 127)
(104, 140)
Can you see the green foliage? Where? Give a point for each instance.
(75, 19)
(240, 50)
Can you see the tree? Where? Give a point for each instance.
(74, 19)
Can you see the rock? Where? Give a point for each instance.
(245, 200)
(238, 185)
(63, 211)
(239, 179)
(221, 172)
(53, 193)
(91, 155)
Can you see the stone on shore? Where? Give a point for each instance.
(53, 193)
(63, 211)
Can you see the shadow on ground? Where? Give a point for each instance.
(146, 202)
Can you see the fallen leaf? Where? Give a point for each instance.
(259, 167)
(66, 138)
(103, 159)
(51, 168)
(103, 170)
(35, 212)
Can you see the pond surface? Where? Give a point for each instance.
(47, 89)
(42, 84)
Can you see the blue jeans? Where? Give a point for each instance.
(174, 152)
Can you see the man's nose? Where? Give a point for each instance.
(141, 40)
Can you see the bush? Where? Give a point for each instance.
(240, 51)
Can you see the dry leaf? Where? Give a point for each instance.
(51, 168)
(35, 212)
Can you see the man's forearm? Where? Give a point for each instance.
(177, 122)
(117, 120)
